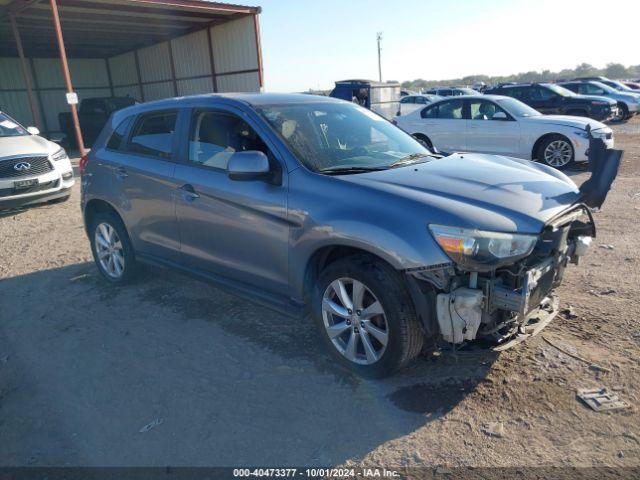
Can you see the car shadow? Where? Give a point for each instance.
(221, 381)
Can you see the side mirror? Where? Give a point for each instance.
(499, 116)
(249, 165)
(33, 130)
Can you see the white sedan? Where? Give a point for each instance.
(503, 126)
(414, 101)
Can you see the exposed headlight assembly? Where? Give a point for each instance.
(480, 250)
(600, 134)
(59, 155)
(594, 133)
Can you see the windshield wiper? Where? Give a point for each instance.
(351, 169)
(409, 159)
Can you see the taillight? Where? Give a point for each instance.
(83, 163)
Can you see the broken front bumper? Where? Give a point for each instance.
(534, 322)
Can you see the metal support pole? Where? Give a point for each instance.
(67, 75)
(35, 113)
(379, 39)
(256, 29)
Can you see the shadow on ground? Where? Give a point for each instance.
(84, 366)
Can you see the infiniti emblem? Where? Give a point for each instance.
(22, 166)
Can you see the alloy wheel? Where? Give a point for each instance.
(558, 153)
(355, 321)
(109, 250)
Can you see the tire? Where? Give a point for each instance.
(562, 145)
(116, 272)
(624, 112)
(384, 285)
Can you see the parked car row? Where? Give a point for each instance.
(595, 97)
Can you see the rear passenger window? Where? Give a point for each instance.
(215, 136)
(450, 110)
(115, 141)
(519, 93)
(153, 134)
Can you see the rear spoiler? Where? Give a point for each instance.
(603, 165)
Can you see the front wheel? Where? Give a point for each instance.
(623, 113)
(556, 151)
(366, 317)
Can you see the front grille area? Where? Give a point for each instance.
(37, 166)
(8, 192)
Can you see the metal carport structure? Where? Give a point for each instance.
(148, 49)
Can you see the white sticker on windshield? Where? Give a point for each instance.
(8, 124)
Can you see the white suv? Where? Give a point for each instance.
(32, 169)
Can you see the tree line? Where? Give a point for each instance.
(612, 70)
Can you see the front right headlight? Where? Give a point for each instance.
(481, 250)
(59, 155)
(599, 134)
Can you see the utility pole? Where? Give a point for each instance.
(379, 39)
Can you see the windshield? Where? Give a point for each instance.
(467, 91)
(563, 92)
(517, 108)
(341, 136)
(10, 128)
(621, 86)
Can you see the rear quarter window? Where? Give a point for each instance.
(116, 140)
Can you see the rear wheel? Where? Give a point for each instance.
(365, 315)
(556, 151)
(111, 248)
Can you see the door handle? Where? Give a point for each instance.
(121, 173)
(188, 193)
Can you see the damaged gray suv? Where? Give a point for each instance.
(314, 205)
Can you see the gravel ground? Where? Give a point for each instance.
(84, 367)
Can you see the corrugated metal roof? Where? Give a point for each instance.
(104, 28)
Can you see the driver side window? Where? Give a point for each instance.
(215, 136)
(483, 110)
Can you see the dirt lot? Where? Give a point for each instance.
(85, 366)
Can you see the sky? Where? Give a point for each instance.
(311, 44)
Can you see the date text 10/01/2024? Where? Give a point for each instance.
(316, 472)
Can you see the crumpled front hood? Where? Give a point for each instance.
(479, 191)
(565, 120)
(26, 145)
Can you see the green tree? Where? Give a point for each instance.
(616, 70)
